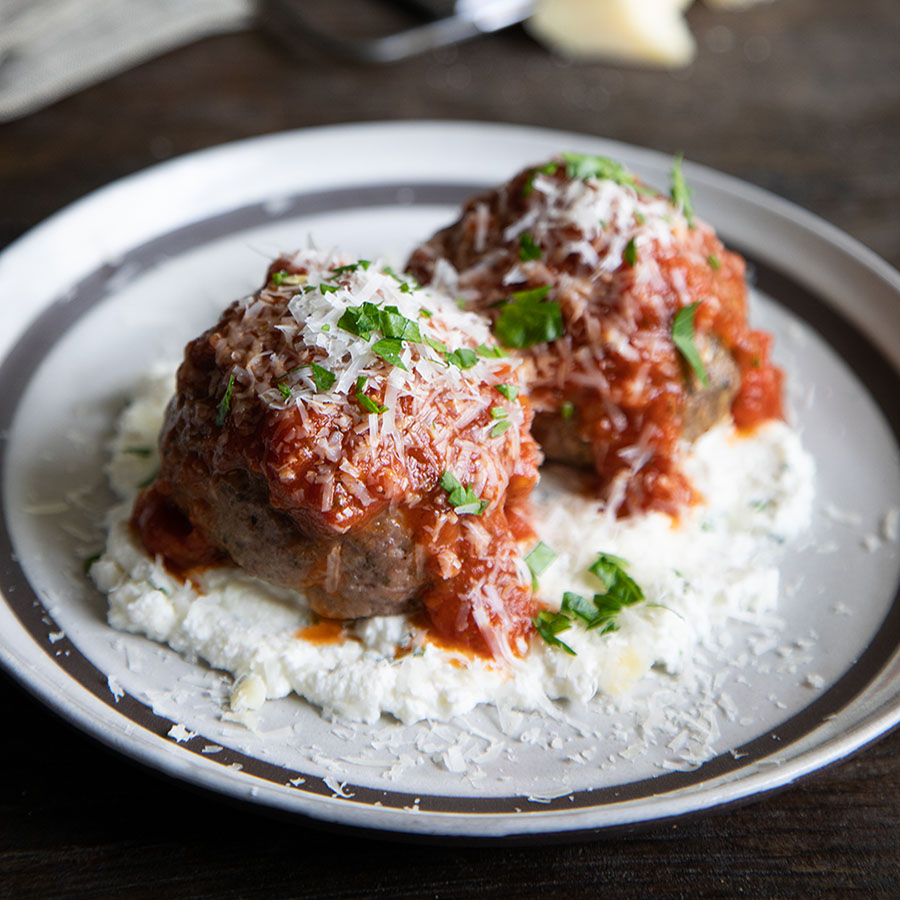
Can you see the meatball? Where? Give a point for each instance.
(589, 274)
(347, 434)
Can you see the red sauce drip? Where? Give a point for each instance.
(167, 532)
(325, 631)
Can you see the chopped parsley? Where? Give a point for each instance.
(440, 346)
(683, 338)
(619, 590)
(361, 320)
(225, 402)
(351, 267)
(389, 349)
(582, 165)
(528, 249)
(365, 401)
(463, 499)
(510, 391)
(630, 253)
(527, 319)
(549, 625)
(539, 558)
(491, 352)
(549, 169)
(464, 358)
(681, 193)
(322, 377)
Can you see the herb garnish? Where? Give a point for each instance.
(389, 350)
(549, 624)
(464, 358)
(284, 390)
(681, 193)
(463, 499)
(619, 591)
(510, 391)
(491, 352)
(366, 402)
(567, 410)
(322, 377)
(630, 253)
(138, 451)
(528, 249)
(582, 165)
(278, 277)
(526, 319)
(538, 559)
(714, 262)
(498, 412)
(500, 428)
(683, 338)
(548, 169)
(225, 403)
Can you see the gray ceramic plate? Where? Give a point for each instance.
(95, 295)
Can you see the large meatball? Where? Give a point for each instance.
(587, 272)
(347, 434)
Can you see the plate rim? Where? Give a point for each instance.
(863, 731)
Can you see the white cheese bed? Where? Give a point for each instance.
(714, 567)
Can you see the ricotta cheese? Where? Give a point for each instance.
(716, 565)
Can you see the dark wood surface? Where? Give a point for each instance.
(798, 96)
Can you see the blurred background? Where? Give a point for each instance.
(798, 96)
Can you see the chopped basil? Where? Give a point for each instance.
(567, 410)
(464, 358)
(528, 249)
(510, 391)
(225, 403)
(389, 349)
(500, 428)
(463, 499)
(498, 412)
(681, 193)
(527, 319)
(366, 402)
(683, 338)
(322, 377)
(630, 253)
(714, 262)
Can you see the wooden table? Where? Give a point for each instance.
(798, 96)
